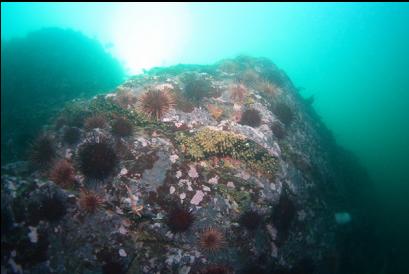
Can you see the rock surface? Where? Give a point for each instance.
(238, 152)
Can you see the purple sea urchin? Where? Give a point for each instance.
(251, 220)
(126, 98)
(284, 113)
(95, 121)
(72, 135)
(97, 159)
(112, 268)
(251, 117)
(180, 219)
(122, 127)
(43, 151)
(215, 269)
(197, 88)
(278, 130)
(52, 208)
(238, 92)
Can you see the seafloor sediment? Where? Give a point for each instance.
(188, 169)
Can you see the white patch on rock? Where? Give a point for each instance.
(119, 211)
(236, 107)
(124, 171)
(178, 174)
(274, 250)
(33, 234)
(184, 270)
(214, 180)
(197, 198)
(122, 253)
(143, 141)
(172, 190)
(169, 234)
(272, 231)
(182, 196)
(123, 230)
(15, 267)
(206, 188)
(173, 158)
(68, 154)
(165, 86)
(230, 184)
(243, 175)
(178, 124)
(193, 172)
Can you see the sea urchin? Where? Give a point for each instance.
(122, 127)
(155, 103)
(63, 174)
(251, 220)
(215, 269)
(72, 135)
(238, 92)
(251, 117)
(89, 201)
(180, 219)
(95, 121)
(211, 239)
(97, 159)
(43, 151)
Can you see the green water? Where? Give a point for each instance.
(353, 57)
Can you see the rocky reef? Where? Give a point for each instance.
(188, 169)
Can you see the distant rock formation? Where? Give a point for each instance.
(40, 73)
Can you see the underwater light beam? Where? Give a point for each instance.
(148, 35)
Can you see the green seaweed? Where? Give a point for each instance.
(242, 198)
(208, 143)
